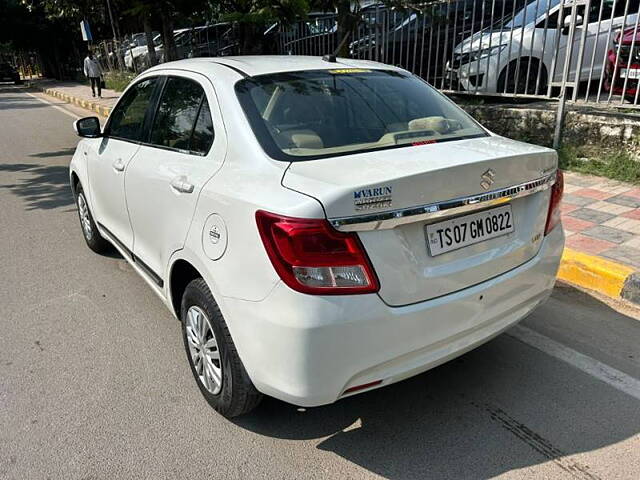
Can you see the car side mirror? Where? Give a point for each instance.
(566, 24)
(88, 127)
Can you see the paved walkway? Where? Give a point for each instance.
(80, 91)
(602, 217)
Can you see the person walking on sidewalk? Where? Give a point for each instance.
(93, 71)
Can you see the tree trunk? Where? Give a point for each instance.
(170, 50)
(151, 48)
(251, 39)
(59, 74)
(345, 27)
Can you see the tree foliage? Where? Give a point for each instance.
(52, 27)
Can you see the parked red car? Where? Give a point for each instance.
(619, 69)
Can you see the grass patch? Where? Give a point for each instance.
(618, 166)
(118, 81)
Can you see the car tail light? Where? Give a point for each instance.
(312, 257)
(553, 216)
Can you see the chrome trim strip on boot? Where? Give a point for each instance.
(387, 220)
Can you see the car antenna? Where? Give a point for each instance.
(329, 57)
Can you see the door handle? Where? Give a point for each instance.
(181, 184)
(118, 165)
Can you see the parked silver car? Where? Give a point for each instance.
(524, 53)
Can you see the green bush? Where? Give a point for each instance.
(118, 81)
(618, 166)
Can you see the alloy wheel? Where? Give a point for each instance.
(204, 351)
(85, 219)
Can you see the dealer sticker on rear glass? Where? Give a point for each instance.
(343, 71)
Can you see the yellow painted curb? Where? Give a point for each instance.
(94, 107)
(593, 272)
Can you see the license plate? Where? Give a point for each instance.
(460, 232)
(632, 73)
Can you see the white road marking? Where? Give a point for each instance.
(591, 366)
(57, 107)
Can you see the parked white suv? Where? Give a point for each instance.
(320, 227)
(520, 54)
(138, 57)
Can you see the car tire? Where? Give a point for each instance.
(212, 355)
(90, 232)
(526, 73)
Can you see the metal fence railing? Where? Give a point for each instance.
(28, 65)
(586, 50)
(580, 50)
(132, 53)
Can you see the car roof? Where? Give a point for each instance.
(253, 65)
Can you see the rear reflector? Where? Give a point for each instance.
(310, 256)
(362, 387)
(553, 215)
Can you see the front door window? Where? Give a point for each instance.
(128, 117)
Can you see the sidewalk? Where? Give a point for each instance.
(80, 94)
(601, 217)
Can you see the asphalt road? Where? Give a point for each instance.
(94, 382)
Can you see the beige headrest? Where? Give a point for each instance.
(437, 124)
(304, 139)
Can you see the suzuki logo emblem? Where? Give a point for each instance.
(487, 179)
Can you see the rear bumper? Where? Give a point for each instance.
(308, 350)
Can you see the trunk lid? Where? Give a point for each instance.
(356, 189)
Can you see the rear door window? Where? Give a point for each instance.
(631, 8)
(177, 113)
(183, 119)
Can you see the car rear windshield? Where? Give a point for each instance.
(324, 113)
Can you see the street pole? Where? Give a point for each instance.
(557, 134)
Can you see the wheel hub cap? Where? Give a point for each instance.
(84, 217)
(204, 351)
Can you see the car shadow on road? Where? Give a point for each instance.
(20, 105)
(17, 102)
(65, 152)
(11, 88)
(502, 407)
(42, 186)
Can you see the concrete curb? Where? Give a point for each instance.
(81, 102)
(609, 278)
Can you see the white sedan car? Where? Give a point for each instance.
(321, 227)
